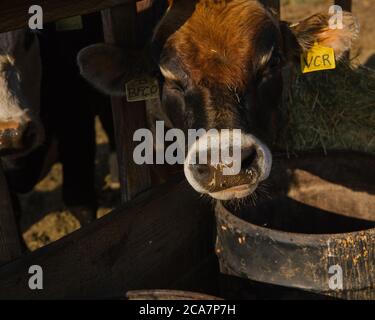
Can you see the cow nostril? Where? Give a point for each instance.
(250, 159)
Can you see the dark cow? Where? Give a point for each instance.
(69, 106)
(222, 65)
(47, 112)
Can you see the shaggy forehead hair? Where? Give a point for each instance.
(217, 43)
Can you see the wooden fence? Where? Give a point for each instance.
(119, 26)
(163, 238)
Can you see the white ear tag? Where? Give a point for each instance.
(142, 89)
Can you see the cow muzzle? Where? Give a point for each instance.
(232, 168)
(18, 137)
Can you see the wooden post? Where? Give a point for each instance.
(272, 4)
(345, 4)
(120, 28)
(10, 245)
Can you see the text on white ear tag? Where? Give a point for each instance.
(318, 58)
(142, 89)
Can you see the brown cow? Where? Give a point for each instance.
(222, 65)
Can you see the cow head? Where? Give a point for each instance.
(222, 66)
(20, 77)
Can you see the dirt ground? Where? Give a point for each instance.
(44, 217)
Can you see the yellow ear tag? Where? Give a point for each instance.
(318, 58)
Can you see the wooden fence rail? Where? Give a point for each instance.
(273, 4)
(155, 242)
(345, 4)
(14, 13)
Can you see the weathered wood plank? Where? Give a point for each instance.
(150, 243)
(345, 4)
(10, 245)
(273, 4)
(120, 28)
(14, 13)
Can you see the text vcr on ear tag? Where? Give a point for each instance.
(69, 24)
(142, 89)
(318, 58)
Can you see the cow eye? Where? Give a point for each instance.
(178, 87)
(275, 61)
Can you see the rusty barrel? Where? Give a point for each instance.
(311, 228)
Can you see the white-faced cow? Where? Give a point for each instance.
(222, 66)
(47, 112)
(20, 78)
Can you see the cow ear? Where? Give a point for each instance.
(108, 68)
(317, 28)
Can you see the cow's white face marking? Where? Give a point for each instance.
(10, 94)
(20, 81)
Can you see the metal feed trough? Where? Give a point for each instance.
(316, 227)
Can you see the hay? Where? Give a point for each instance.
(331, 110)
